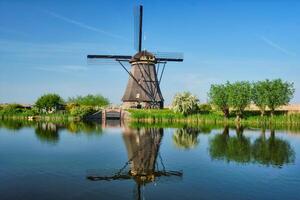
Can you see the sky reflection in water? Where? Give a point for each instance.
(90, 160)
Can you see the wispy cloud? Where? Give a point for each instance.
(276, 46)
(83, 25)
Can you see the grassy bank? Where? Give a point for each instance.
(250, 118)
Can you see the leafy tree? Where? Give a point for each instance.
(49, 102)
(185, 103)
(279, 93)
(218, 95)
(260, 92)
(89, 100)
(239, 96)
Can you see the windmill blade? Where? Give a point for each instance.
(138, 27)
(107, 174)
(167, 56)
(121, 57)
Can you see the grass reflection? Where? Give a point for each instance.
(49, 132)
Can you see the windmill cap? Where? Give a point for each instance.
(143, 56)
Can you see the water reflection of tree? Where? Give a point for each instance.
(272, 151)
(231, 148)
(187, 137)
(14, 124)
(90, 128)
(47, 132)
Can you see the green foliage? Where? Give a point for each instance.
(11, 109)
(49, 102)
(239, 96)
(218, 95)
(185, 103)
(260, 91)
(279, 93)
(89, 100)
(81, 111)
(205, 108)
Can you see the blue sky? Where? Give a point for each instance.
(43, 45)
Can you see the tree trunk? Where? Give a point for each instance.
(226, 112)
(262, 112)
(272, 112)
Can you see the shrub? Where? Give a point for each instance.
(81, 111)
(205, 108)
(11, 109)
(49, 102)
(89, 100)
(185, 103)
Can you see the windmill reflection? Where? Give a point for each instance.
(144, 159)
(266, 151)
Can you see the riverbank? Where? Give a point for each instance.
(250, 118)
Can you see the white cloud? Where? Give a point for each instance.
(276, 46)
(83, 25)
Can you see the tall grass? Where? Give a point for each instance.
(168, 116)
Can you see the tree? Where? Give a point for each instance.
(49, 102)
(218, 95)
(260, 92)
(89, 100)
(185, 103)
(239, 96)
(279, 93)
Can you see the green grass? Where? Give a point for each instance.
(250, 118)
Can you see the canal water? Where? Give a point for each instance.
(131, 161)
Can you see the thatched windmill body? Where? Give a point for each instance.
(143, 87)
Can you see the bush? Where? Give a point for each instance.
(89, 100)
(185, 103)
(49, 103)
(81, 111)
(205, 108)
(11, 109)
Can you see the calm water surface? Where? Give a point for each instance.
(88, 161)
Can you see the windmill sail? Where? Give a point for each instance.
(138, 28)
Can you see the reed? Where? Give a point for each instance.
(168, 116)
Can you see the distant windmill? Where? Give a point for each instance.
(143, 87)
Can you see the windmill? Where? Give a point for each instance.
(143, 157)
(143, 87)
